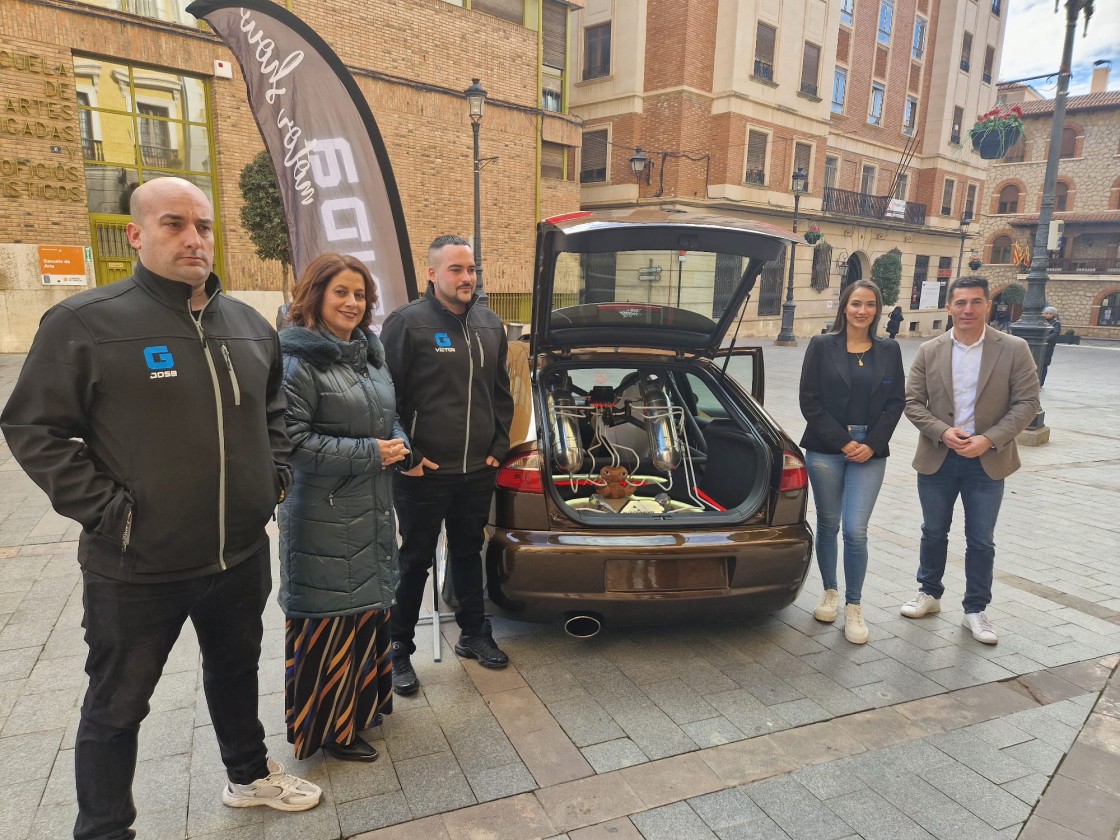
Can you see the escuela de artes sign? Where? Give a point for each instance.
(331, 165)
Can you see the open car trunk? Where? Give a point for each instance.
(642, 441)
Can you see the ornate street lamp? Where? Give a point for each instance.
(640, 165)
(476, 101)
(966, 220)
(800, 184)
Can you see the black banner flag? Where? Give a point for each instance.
(333, 170)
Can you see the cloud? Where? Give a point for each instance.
(1033, 44)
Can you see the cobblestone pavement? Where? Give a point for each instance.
(772, 727)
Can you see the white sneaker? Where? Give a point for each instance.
(828, 607)
(278, 790)
(921, 604)
(981, 627)
(855, 631)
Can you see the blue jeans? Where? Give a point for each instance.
(981, 496)
(844, 492)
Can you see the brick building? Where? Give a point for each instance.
(94, 100)
(1084, 276)
(727, 98)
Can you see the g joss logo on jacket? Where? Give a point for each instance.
(443, 343)
(160, 362)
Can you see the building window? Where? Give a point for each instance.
(947, 197)
(1061, 196)
(137, 124)
(1109, 314)
(970, 201)
(1017, 153)
(1002, 248)
(839, 89)
(764, 40)
(597, 51)
(1008, 199)
(878, 92)
(847, 11)
(966, 52)
(918, 50)
(552, 90)
(172, 12)
(989, 63)
(554, 56)
(803, 158)
(553, 157)
(1069, 143)
(810, 67)
(886, 21)
(770, 287)
(955, 129)
(511, 10)
(921, 272)
(867, 180)
(593, 158)
(996, 4)
(756, 157)
(910, 116)
(901, 186)
(831, 172)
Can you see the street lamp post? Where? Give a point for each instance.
(966, 220)
(476, 100)
(640, 165)
(785, 337)
(1031, 325)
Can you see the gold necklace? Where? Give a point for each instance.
(859, 356)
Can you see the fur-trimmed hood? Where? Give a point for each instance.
(322, 351)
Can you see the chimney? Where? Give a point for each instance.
(1100, 77)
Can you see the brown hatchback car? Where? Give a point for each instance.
(645, 484)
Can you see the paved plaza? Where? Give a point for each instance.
(770, 728)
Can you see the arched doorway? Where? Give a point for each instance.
(854, 272)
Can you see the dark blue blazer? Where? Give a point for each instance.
(826, 386)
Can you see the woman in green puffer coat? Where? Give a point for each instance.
(338, 535)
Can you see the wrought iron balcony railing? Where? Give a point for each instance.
(764, 69)
(868, 206)
(1082, 265)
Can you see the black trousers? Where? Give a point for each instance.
(423, 503)
(130, 629)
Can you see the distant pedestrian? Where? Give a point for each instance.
(970, 392)
(852, 396)
(894, 322)
(151, 412)
(949, 324)
(338, 536)
(1050, 314)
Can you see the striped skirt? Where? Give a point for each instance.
(338, 678)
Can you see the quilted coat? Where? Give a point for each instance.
(338, 534)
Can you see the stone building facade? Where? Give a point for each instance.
(728, 98)
(99, 95)
(1084, 276)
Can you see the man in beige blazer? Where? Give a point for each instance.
(970, 392)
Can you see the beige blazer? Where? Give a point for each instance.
(1006, 399)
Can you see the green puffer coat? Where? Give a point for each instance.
(338, 533)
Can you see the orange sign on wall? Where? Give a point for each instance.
(62, 265)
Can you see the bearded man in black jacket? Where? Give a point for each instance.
(448, 360)
(151, 411)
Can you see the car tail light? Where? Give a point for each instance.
(522, 473)
(794, 476)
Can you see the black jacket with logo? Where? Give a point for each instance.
(452, 383)
(161, 434)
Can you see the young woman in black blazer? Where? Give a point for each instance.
(852, 396)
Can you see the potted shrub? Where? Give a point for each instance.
(997, 131)
(975, 263)
(1070, 337)
(813, 235)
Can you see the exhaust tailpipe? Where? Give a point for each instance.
(583, 625)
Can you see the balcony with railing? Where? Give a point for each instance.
(868, 206)
(756, 177)
(92, 149)
(809, 88)
(1083, 265)
(763, 70)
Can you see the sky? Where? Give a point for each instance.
(1033, 44)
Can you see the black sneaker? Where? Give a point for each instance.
(481, 646)
(405, 681)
